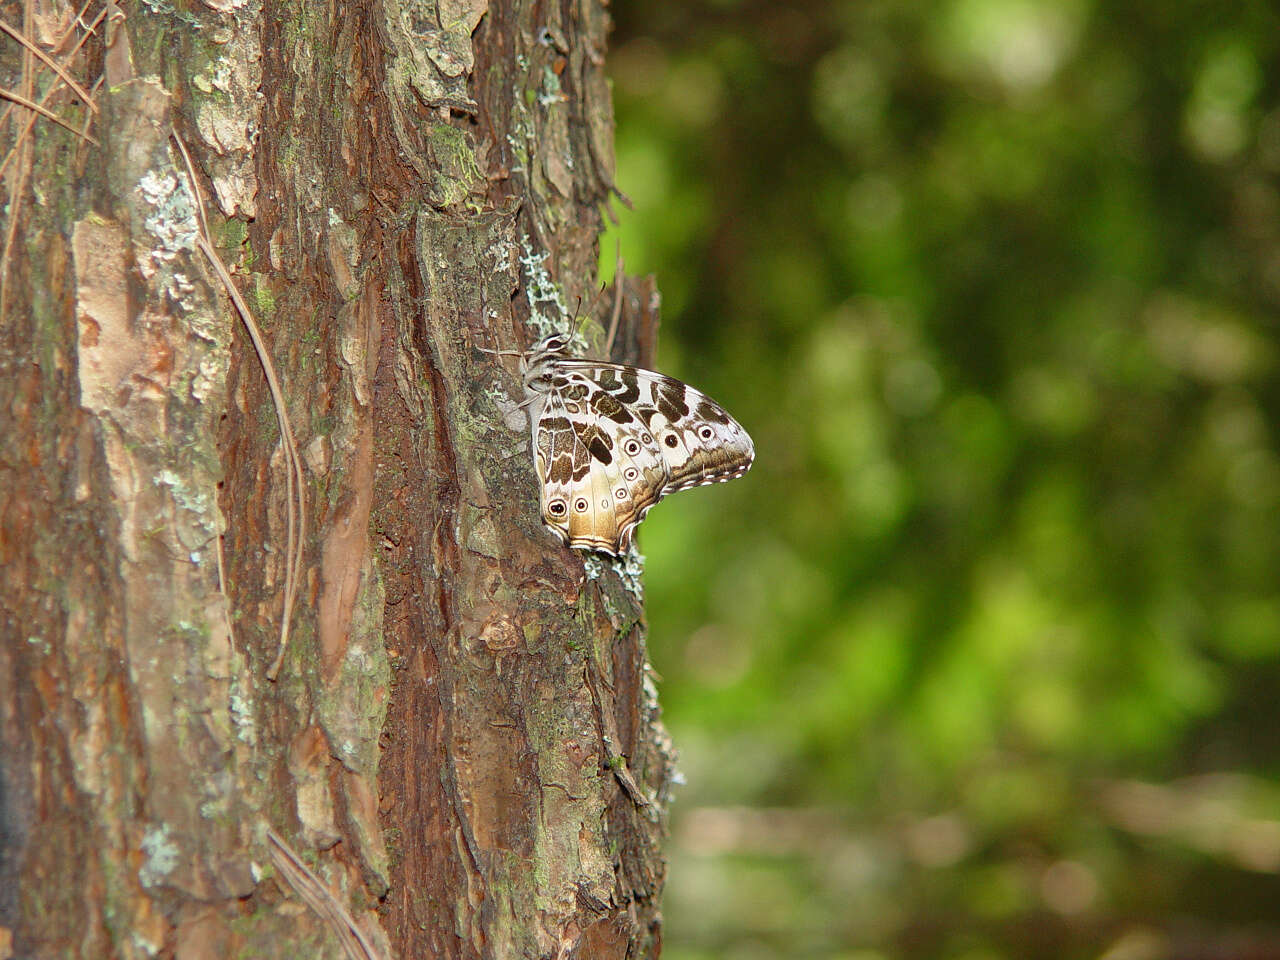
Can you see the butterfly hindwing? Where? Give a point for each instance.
(598, 478)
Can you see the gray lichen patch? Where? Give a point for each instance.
(593, 566)
(161, 855)
(243, 719)
(172, 220)
(196, 518)
(547, 311)
(550, 93)
(630, 570)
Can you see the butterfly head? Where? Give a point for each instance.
(542, 357)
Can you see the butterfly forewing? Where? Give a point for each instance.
(611, 440)
(695, 436)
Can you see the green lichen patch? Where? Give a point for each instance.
(455, 173)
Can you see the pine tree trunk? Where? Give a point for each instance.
(461, 752)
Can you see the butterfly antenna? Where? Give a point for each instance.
(497, 353)
(617, 304)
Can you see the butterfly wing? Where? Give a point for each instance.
(598, 477)
(697, 439)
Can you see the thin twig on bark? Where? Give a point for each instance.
(296, 512)
(22, 101)
(51, 64)
(319, 898)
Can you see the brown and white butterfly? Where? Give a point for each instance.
(611, 440)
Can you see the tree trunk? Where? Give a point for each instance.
(461, 754)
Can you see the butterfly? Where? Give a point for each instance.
(611, 440)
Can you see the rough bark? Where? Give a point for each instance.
(463, 742)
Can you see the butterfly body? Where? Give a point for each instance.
(611, 440)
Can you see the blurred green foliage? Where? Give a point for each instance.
(982, 659)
